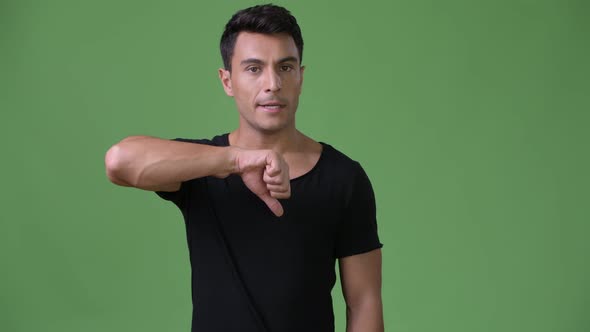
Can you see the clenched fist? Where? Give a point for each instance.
(266, 174)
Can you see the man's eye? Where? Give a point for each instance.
(253, 69)
(286, 68)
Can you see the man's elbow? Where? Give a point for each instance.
(365, 315)
(364, 302)
(114, 161)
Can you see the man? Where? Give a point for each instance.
(267, 209)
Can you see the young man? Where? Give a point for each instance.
(267, 209)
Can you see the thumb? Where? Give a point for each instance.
(273, 204)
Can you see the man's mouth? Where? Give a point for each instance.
(272, 106)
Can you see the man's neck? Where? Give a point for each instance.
(287, 140)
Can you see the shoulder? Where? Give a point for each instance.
(344, 174)
(339, 162)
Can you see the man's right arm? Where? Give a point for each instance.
(157, 164)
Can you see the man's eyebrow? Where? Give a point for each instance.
(287, 59)
(251, 60)
(260, 62)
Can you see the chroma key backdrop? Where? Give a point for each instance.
(471, 119)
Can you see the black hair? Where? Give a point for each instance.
(267, 19)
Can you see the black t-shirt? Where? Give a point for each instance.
(253, 271)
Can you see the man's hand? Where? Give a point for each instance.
(266, 174)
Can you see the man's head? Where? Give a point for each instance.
(261, 49)
(265, 19)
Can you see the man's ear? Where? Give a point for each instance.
(301, 81)
(225, 78)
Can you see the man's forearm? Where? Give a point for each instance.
(146, 162)
(366, 317)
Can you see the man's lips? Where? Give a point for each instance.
(271, 103)
(271, 106)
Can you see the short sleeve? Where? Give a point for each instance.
(181, 195)
(357, 232)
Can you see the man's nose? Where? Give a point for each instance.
(273, 81)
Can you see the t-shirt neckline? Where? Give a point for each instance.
(225, 141)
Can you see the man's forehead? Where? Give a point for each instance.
(262, 46)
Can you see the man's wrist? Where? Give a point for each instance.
(232, 157)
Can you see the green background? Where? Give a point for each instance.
(470, 117)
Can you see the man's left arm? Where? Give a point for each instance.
(360, 277)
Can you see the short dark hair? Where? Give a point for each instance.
(267, 19)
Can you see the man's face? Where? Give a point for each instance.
(265, 80)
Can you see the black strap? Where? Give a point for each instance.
(236, 274)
